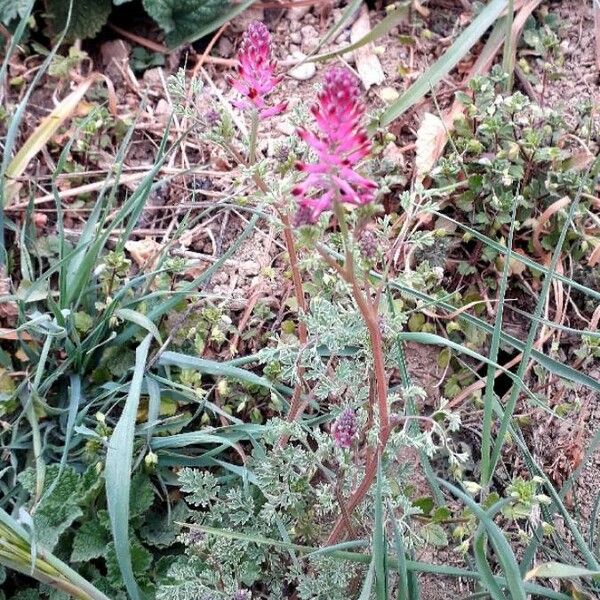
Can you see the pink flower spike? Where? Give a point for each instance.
(256, 72)
(344, 429)
(340, 142)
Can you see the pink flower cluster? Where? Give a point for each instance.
(340, 144)
(256, 72)
(344, 429)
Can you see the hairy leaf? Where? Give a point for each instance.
(161, 529)
(88, 17)
(11, 9)
(183, 19)
(58, 509)
(141, 496)
(90, 542)
(141, 560)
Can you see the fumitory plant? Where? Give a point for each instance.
(309, 482)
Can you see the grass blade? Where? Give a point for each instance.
(367, 587)
(411, 409)
(348, 13)
(380, 29)
(365, 559)
(488, 396)
(559, 571)
(379, 541)
(499, 542)
(403, 592)
(463, 43)
(552, 365)
(520, 257)
(16, 541)
(212, 367)
(527, 351)
(483, 567)
(508, 58)
(138, 318)
(163, 308)
(118, 471)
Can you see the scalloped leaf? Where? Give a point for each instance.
(87, 19)
(189, 20)
(11, 9)
(90, 542)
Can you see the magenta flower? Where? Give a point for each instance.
(256, 70)
(344, 429)
(340, 144)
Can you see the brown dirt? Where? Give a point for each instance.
(578, 44)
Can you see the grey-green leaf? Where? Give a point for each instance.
(118, 472)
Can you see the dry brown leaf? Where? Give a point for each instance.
(422, 10)
(431, 139)
(12, 335)
(367, 64)
(9, 311)
(543, 220)
(195, 269)
(515, 266)
(144, 252)
(594, 258)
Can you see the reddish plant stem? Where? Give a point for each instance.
(384, 429)
(290, 246)
(369, 314)
(288, 237)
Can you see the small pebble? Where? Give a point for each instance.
(152, 77)
(304, 71)
(285, 127)
(389, 94)
(310, 38)
(296, 13)
(162, 108)
(249, 268)
(392, 154)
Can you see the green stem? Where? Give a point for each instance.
(40, 466)
(50, 570)
(253, 137)
(512, 401)
(509, 50)
(488, 399)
